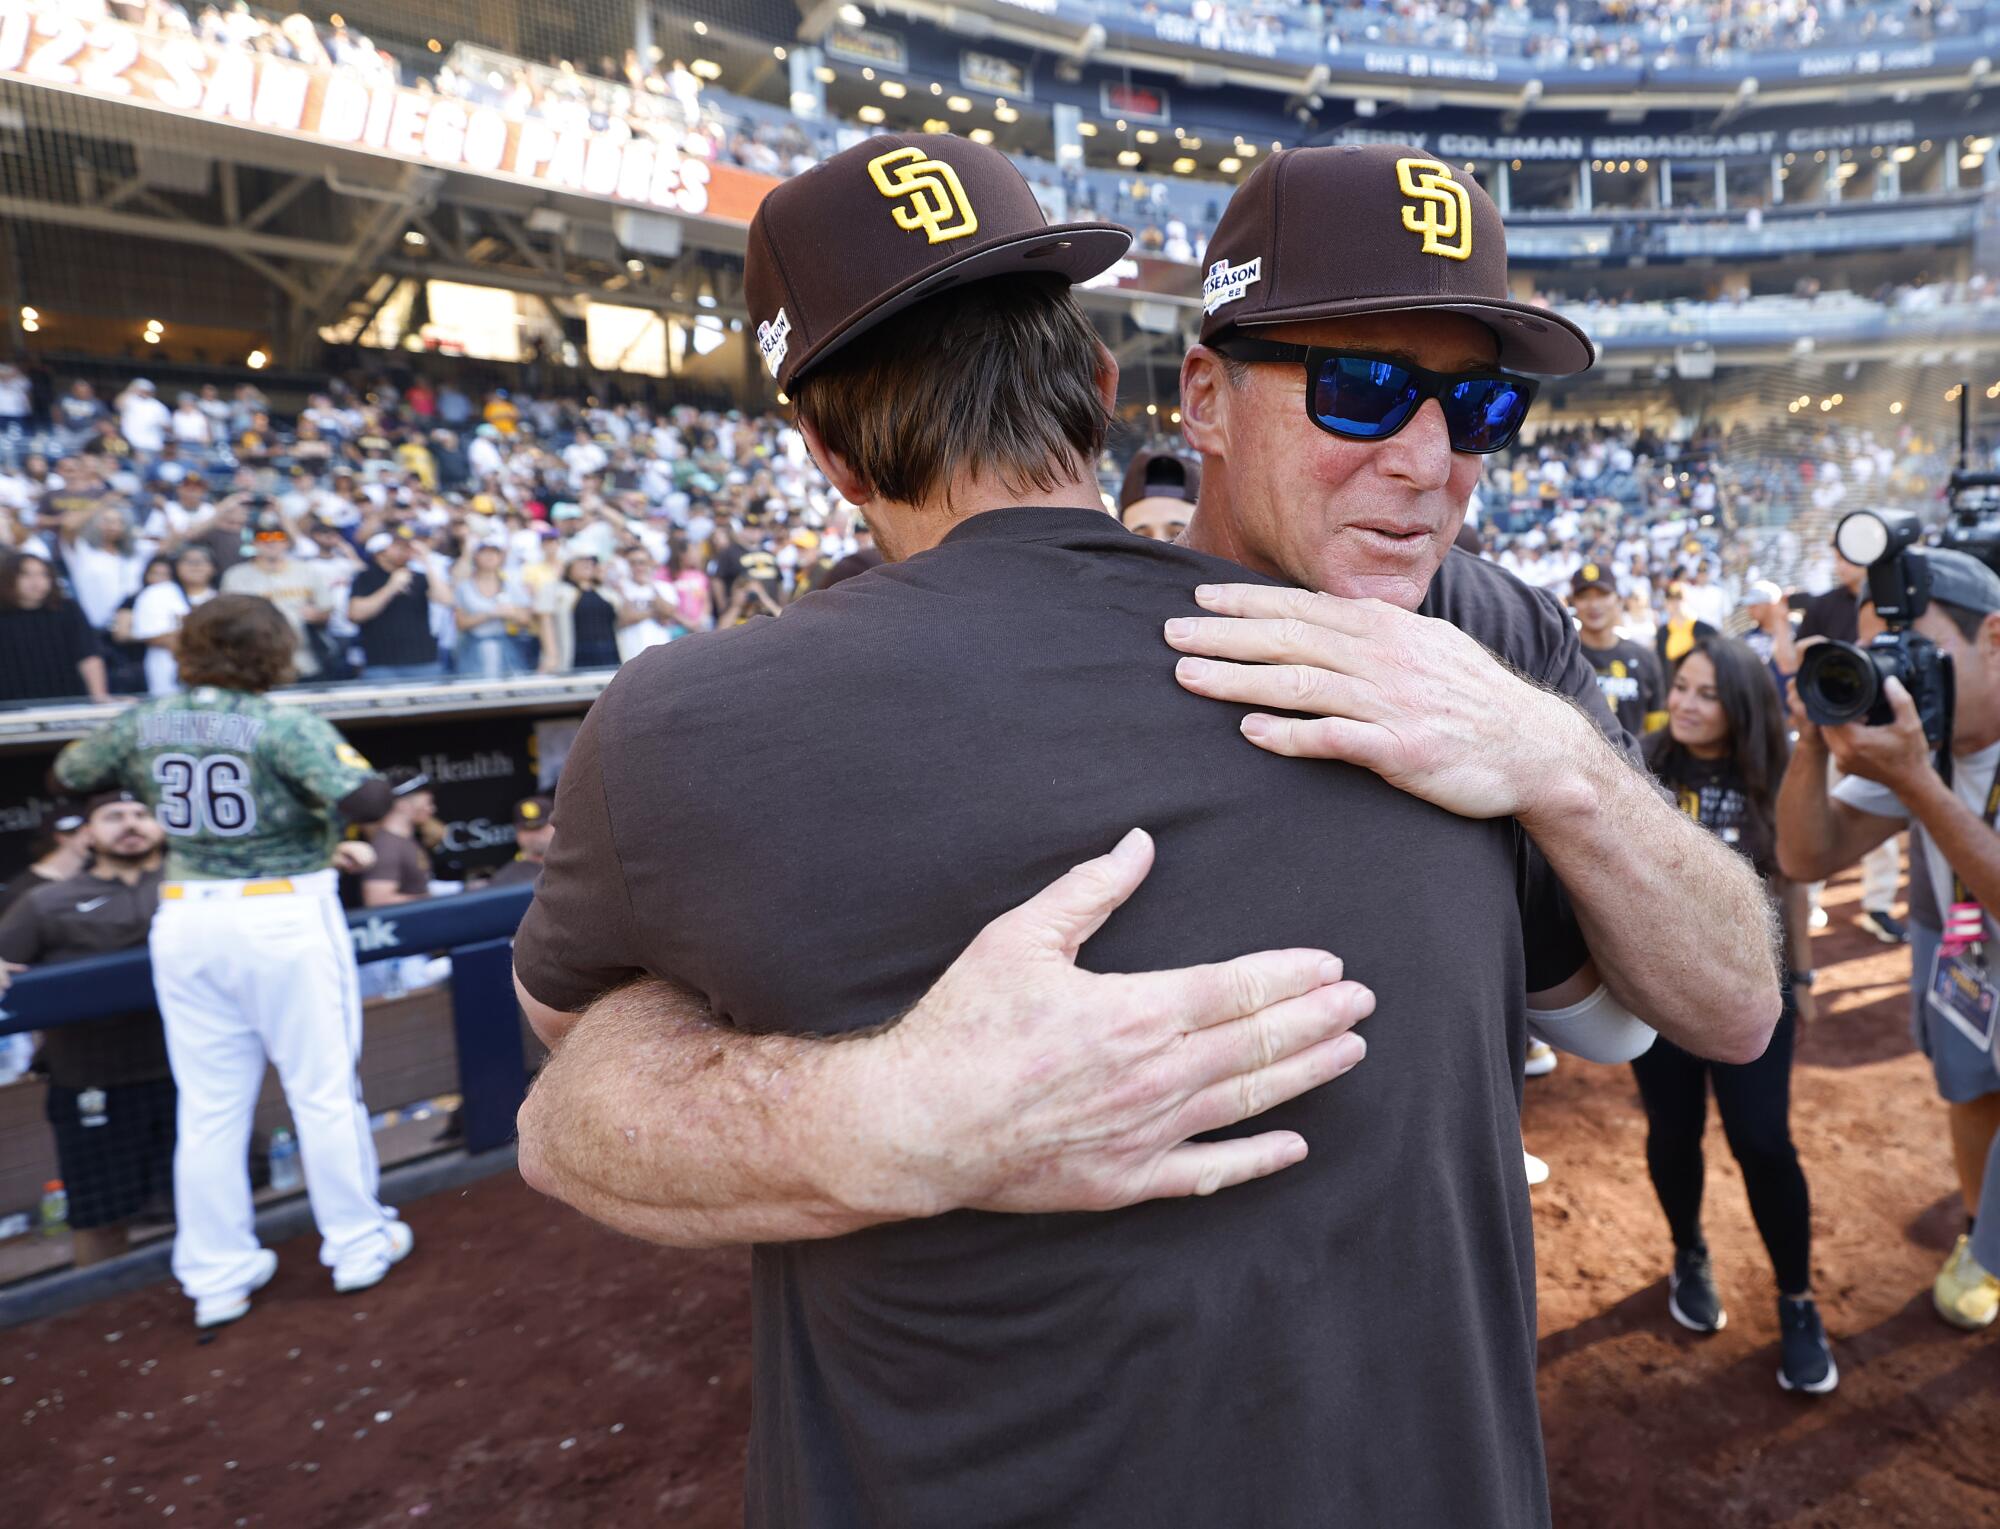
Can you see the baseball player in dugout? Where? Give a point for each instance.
(251, 957)
(1067, 1210)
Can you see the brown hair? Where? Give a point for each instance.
(237, 642)
(997, 377)
(11, 564)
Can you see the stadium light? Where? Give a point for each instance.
(1184, 166)
(1005, 114)
(936, 125)
(1924, 147)
(30, 315)
(1147, 135)
(825, 75)
(981, 135)
(1247, 150)
(936, 88)
(780, 54)
(411, 236)
(1175, 416)
(1826, 406)
(1230, 165)
(1896, 407)
(701, 29)
(1128, 158)
(872, 115)
(434, 45)
(868, 74)
(1642, 166)
(963, 104)
(1121, 124)
(1190, 144)
(1152, 408)
(1970, 162)
(256, 361)
(635, 266)
(895, 90)
(1517, 164)
(707, 68)
(32, 326)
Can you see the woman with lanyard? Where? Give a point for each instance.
(1722, 754)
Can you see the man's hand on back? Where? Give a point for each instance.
(1413, 699)
(1017, 1083)
(1021, 1083)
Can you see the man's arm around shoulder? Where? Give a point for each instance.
(993, 1093)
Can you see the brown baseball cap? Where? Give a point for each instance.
(1322, 233)
(1592, 576)
(1160, 474)
(863, 235)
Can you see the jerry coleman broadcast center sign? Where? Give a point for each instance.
(41, 44)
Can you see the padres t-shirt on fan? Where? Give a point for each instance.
(1350, 1342)
(1629, 677)
(243, 787)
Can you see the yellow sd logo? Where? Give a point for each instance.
(1443, 212)
(937, 201)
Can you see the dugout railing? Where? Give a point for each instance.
(475, 929)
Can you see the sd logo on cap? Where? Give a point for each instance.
(864, 235)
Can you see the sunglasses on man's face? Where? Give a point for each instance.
(1363, 397)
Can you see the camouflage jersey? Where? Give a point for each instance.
(244, 788)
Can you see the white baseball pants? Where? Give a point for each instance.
(242, 973)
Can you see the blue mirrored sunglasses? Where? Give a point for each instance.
(1362, 397)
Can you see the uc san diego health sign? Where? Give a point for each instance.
(43, 45)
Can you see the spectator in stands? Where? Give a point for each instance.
(305, 590)
(17, 410)
(143, 420)
(227, 531)
(391, 602)
(191, 427)
(650, 609)
(402, 869)
(100, 554)
(110, 1092)
(492, 609)
(47, 649)
(534, 832)
(580, 618)
(177, 515)
(161, 608)
(125, 655)
(60, 850)
(77, 414)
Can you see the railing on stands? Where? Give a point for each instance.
(475, 928)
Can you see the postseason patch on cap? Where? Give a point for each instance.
(1226, 283)
(773, 340)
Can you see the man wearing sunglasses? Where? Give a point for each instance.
(1359, 358)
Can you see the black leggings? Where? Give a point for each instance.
(1755, 1101)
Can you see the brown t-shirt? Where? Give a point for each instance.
(402, 861)
(1349, 1342)
(90, 916)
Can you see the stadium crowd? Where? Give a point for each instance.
(407, 532)
(413, 530)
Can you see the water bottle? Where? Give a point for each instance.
(285, 1171)
(55, 1208)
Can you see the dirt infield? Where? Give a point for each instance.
(526, 1369)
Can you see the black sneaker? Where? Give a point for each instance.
(1889, 930)
(1805, 1361)
(1691, 1296)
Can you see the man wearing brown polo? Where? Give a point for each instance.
(1350, 1338)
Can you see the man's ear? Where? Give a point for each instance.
(1206, 394)
(1107, 378)
(846, 482)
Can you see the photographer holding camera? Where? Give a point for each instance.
(1913, 721)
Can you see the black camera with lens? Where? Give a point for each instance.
(1840, 682)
